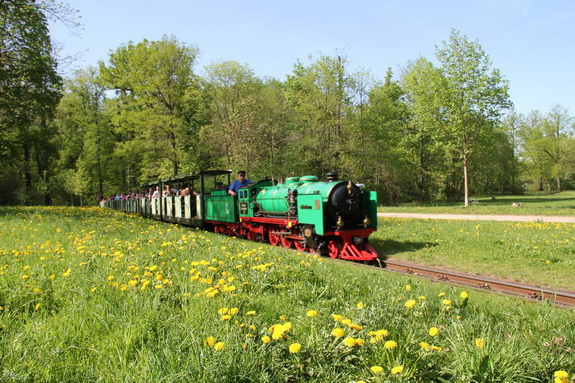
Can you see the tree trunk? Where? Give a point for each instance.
(559, 190)
(27, 166)
(465, 179)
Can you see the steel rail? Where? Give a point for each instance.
(555, 296)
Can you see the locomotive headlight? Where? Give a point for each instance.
(366, 222)
(339, 223)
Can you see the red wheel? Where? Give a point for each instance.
(273, 238)
(286, 242)
(333, 248)
(251, 236)
(300, 246)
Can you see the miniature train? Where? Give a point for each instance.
(334, 217)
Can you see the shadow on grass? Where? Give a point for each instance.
(387, 247)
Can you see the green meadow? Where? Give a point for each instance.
(530, 203)
(95, 295)
(540, 253)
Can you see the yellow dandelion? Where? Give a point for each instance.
(67, 273)
(219, 346)
(436, 348)
(360, 305)
(349, 342)
(266, 339)
(561, 376)
(338, 332)
(433, 331)
(210, 341)
(410, 304)
(311, 313)
(376, 370)
(407, 287)
(446, 302)
(464, 295)
(225, 317)
(390, 345)
(425, 346)
(396, 370)
(37, 290)
(479, 342)
(294, 348)
(337, 317)
(249, 313)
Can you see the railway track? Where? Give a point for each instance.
(531, 292)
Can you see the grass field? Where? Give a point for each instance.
(94, 295)
(531, 203)
(541, 253)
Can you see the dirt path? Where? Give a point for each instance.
(470, 217)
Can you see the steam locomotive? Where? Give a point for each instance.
(331, 217)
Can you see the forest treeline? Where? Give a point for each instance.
(439, 129)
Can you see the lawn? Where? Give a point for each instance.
(540, 253)
(95, 295)
(531, 203)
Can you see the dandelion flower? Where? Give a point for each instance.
(266, 339)
(337, 317)
(390, 345)
(407, 287)
(464, 295)
(360, 305)
(249, 313)
(67, 273)
(433, 331)
(338, 332)
(219, 346)
(294, 348)
(446, 302)
(311, 313)
(210, 341)
(479, 342)
(410, 304)
(349, 342)
(561, 376)
(376, 370)
(396, 370)
(425, 346)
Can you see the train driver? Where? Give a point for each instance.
(241, 181)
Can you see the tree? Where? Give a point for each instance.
(30, 88)
(424, 139)
(157, 103)
(558, 124)
(84, 130)
(474, 99)
(319, 95)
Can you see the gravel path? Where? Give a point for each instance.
(470, 217)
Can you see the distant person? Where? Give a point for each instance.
(156, 193)
(241, 181)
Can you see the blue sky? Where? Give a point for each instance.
(531, 42)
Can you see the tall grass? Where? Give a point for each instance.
(92, 295)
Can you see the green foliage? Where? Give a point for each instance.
(30, 89)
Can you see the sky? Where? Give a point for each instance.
(531, 42)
